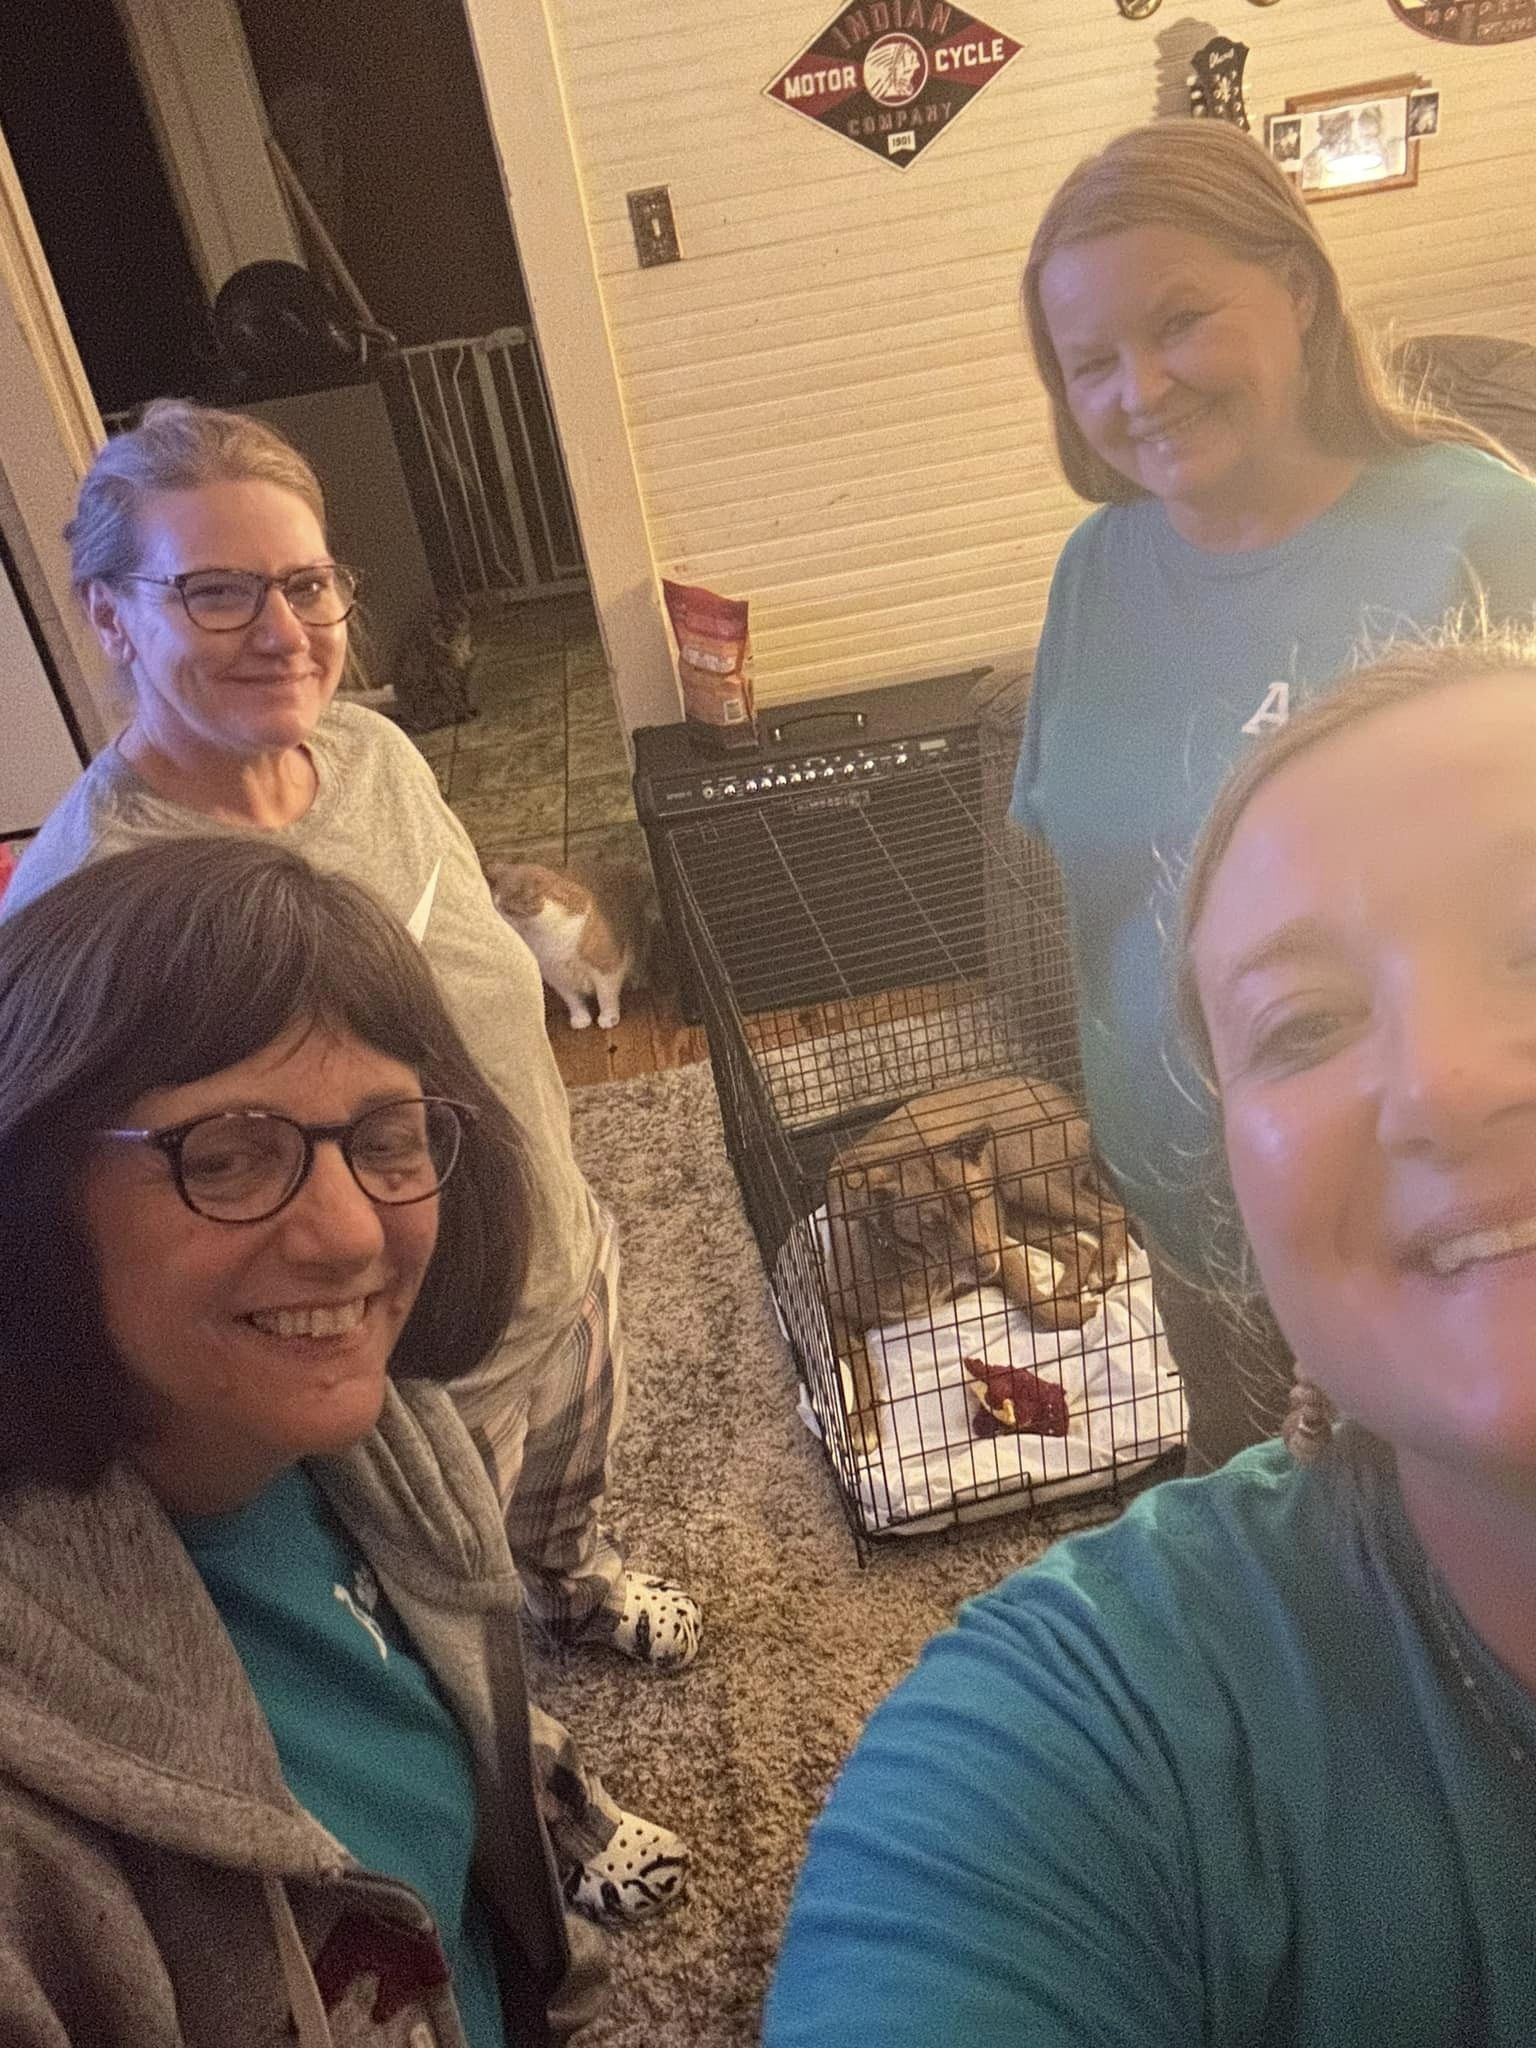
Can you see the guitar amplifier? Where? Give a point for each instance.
(837, 859)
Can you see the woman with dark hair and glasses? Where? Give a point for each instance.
(199, 554)
(265, 1761)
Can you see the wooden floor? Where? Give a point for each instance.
(651, 1036)
(647, 1038)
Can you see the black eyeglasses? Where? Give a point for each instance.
(229, 600)
(243, 1165)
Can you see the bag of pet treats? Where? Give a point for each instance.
(713, 665)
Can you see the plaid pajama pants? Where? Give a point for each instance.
(546, 1440)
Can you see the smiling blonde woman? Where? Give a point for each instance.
(1257, 1763)
(1265, 502)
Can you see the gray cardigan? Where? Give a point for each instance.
(153, 1864)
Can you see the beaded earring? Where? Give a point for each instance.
(1307, 1430)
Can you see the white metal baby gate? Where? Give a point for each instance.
(485, 467)
(481, 458)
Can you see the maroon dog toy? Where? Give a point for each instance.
(1011, 1398)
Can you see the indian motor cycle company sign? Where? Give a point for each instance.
(1469, 21)
(892, 74)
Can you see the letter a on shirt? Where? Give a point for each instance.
(1273, 712)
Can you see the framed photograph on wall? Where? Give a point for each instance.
(1360, 138)
(1423, 113)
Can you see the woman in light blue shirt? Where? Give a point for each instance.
(1266, 505)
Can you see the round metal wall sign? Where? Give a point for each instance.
(1480, 22)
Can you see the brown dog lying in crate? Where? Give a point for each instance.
(951, 1192)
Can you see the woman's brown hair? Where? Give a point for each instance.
(160, 967)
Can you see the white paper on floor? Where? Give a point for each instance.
(1125, 1405)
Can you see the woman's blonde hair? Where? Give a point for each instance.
(177, 446)
(1464, 649)
(1467, 648)
(1211, 179)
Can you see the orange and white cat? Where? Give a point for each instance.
(590, 931)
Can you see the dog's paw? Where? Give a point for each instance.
(581, 1023)
(607, 1019)
(1115, 1257)
(1065, 1311)
(864, 1428)
(1094, 1272)
(863, 1417)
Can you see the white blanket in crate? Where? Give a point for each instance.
(1124, 1403)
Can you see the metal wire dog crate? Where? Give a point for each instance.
(858, 961)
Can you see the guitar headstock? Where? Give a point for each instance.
(1216, 82)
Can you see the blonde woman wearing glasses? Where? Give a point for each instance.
(200, 557)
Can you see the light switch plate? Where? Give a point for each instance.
(655, 232)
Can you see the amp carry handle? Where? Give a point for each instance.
(854, 720)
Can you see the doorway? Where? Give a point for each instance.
(85, 153)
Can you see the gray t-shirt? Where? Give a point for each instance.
(379, 819)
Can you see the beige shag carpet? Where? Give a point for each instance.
(718, 1484)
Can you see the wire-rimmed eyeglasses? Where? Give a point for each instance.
(243, 1165)
(229, 600)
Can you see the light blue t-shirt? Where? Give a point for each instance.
(367, 1743)
(1159, 664)
(1206, 1778)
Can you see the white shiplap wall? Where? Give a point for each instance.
(828, 400)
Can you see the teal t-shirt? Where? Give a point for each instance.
(367, 1743)
(1206, 1776)
(1159, 664)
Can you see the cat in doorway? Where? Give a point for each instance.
(591, 928)
(431, 673)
